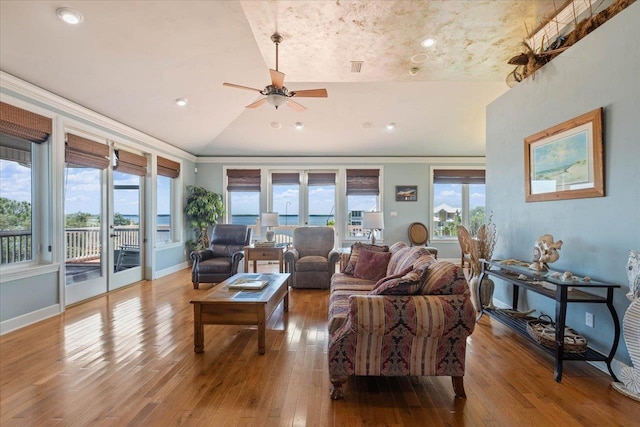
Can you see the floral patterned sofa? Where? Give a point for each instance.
(397, 311)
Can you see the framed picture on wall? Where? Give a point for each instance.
(406, 193)
(565, 161)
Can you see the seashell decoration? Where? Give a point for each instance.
(545, 251)
(629, 384)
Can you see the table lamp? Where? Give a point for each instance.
(373, 221)
(269, 220)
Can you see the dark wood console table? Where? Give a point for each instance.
(521, 276)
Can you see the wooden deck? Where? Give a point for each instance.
(127, 359)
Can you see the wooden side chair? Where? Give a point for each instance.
(419, 236)
(464, 238)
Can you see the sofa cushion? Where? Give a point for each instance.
(371, 265)
(397, 246)
(444, 278)
(408, 284)
(312, 263)
(355, 252)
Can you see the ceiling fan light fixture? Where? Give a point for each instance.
(70, 16)
(276, 99)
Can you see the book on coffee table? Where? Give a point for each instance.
(248, 284)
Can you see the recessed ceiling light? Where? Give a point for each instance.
(365, 125)
(299, 125)
(275, 125)
(428, 42)
(390, 126)
(182, 102)
(70, 16)
(419, 58)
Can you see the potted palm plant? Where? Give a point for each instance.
(203, 209)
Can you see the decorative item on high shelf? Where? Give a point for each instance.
(545, 251)
(629, 384)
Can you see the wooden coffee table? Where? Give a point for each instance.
(224, 306)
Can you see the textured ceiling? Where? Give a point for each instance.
(131, 60)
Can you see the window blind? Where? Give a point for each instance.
(85, 153)
(363, 182)
(321, 178)
(458, 176)
(243, 180)
(285, 178)
(24, 124)
(130, 163)
(168, 168)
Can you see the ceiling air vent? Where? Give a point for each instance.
(356, 66)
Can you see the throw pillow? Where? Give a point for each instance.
(355, 252)
(371, 265)
(409, 284)
(388, 278)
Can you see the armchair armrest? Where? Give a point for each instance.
(201, 255)
(418, 315)
(333, 258)
(291, 256)
(235, 261)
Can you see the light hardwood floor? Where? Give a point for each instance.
(127, 358)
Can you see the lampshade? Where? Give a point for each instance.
(276, 99)
(373, 220)
(269, 219)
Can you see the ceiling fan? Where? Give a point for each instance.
(276, 93)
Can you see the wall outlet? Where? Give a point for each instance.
(588, 319)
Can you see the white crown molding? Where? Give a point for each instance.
(13, 84)
(480, 161)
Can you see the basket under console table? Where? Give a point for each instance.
(565, 292)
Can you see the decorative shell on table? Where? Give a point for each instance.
(545, 251)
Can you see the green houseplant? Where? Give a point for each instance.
(203, 209)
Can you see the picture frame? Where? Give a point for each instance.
(566, 160)
(406, 193)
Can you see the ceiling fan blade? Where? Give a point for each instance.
(310, 93)
(241, 87)
(257, 103)
(293, 104)
(277, 78)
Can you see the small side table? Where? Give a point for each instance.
(255, 254)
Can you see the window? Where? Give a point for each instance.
(168, 171)
(458, 198)
(363, 190)
(243, 206)
(24, 195)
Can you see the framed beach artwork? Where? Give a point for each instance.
(406, 193)
(565, 161)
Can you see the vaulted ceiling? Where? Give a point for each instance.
(130, 60)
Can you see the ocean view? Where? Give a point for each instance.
(282, 219)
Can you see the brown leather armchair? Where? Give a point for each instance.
(225, 252)
(312, 261)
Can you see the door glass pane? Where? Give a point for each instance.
(82, 223)
(287, 203)
(321, 204)
(163, 209)
(126, 220)
(15, 200)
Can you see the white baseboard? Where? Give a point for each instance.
(170, 270)
(29, 318)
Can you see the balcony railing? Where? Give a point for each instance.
(82, 244)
